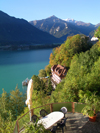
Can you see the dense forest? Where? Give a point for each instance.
(81, 58)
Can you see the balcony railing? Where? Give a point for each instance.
(71, 107)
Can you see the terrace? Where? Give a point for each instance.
(76, 122)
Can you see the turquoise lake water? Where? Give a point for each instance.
(16, 66)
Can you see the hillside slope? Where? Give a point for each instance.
(19, 31)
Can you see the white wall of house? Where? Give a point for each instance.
(94, 39)
(56, 78)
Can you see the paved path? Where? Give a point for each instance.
(77, 123)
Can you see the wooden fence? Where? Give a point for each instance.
(71, 107)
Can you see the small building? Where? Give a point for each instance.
(94, 40)
(58, 73)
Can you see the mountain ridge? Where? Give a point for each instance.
(19, 31)
(61, 28)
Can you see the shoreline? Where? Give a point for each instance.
(28, 47)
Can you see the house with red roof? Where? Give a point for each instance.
(58, 73)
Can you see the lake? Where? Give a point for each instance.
(16, 66)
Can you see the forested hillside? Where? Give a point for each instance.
(83, 77)
(81, 82)
(73, 45)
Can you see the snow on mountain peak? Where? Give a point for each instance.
(70, 20)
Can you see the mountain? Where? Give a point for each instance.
(64, 28)
(78, 22)
(70, 20)
(98, 25)
(16, 31)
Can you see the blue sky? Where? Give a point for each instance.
(81, 10)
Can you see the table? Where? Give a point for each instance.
(50, 119)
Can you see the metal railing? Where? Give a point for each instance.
(71, 107)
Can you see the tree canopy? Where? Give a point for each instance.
(42, 73)
(11, 106)
(97, 33)
(62, 55)
(84, 74)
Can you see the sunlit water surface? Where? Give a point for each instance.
(16, 66)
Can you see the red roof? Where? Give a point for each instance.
(59, 70)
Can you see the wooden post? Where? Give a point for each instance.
(51, 107)
(73, 107)
(32, 112)
(17, 126)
